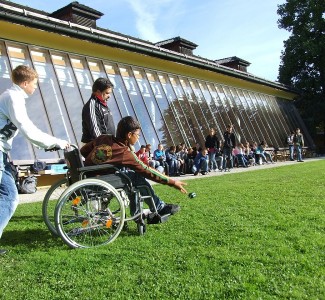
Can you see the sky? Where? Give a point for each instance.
(221, 28)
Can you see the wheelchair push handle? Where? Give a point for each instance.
(57, 148)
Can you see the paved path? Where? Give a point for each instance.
(39, 195)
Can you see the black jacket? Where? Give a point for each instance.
(229, 140)
(212, 142)
(97, 119)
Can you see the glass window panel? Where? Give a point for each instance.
(98, 70)
(170, 132)
(259, 106)
(151, 104)
(4, 69)
(22, 149)
(272, 123)
(217, 108)
(138, 104)
(204, 100)
(240, 129)
(282, 128)
(241, 109)
(175, 110)
(223, 105)
(245, 110)
(253, 117)
(277, 124)
(193, 106)
(70, 91)
(182, 101)
(121, 97)
(81, 73)
(52, 97)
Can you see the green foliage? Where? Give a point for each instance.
(252, 235)
(303, 60)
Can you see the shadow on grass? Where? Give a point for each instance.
(41, 238)
(31, 238)
(29, 231)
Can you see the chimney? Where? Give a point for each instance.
(78, 13)
(179, 45)
(234, 62)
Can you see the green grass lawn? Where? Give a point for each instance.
(251, 235)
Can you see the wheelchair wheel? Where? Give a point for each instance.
(50, 200)
(89, 213)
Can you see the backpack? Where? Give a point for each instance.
(28, 185)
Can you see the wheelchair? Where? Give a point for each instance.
(87, 209)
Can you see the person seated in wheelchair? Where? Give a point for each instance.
(117, 151)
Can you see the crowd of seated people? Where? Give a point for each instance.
(177, 160)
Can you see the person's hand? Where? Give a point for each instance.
(179, 185)
(64, 144)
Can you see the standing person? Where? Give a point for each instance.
(97, 118)
(298, 141)
(291, 144)
(14, 118)
(212, 143)
(229, 143)
(116, 151)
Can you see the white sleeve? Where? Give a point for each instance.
(19, 117)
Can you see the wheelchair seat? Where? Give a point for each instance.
(77, 171)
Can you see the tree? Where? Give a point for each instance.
(303, 59)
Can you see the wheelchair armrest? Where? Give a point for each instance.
(105, 167)
(97, 168)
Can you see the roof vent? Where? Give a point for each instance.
(234, 62)
(78, 13)
(178, 44)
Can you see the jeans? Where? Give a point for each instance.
(8, 192)
(298, 152)
(227, 155)
(173, 167)
(212, 161)
(291, 150)
(201, 166)
(138, 180)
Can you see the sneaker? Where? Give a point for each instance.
(3, 251)
(169, 209)
(204, 173)
(196, 173)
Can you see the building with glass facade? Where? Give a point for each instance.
(175, 95)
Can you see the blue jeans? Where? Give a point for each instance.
(138, 180)
(212, 161)
(291, 150)
(173, 167)
(8, 192)
(298, 152)
(227, 155)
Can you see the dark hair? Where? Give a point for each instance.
(23, 73)
(101, 84)
(126, 125)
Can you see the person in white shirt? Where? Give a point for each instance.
(14, 118)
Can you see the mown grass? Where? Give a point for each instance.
(252, 235)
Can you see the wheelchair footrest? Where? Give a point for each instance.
(165, 218)
(155, 218)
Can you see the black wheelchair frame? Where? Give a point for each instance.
(91, 204)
